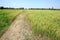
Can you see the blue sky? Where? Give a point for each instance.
(31, 3)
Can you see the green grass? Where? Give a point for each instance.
(6, 18)
(45, 22)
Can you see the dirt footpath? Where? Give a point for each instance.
(19, 30)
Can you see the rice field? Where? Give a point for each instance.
(45, 22)
(6, 18)
(42, 22)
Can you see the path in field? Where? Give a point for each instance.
(19, 30)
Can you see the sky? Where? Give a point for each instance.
(30, 3)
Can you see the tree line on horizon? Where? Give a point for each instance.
(10, 8)
(22, 8)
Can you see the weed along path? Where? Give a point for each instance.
(19, 29)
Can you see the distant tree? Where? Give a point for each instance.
(1, 7)
(49, 8)
(21, 8)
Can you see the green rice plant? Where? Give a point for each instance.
(45, 22)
